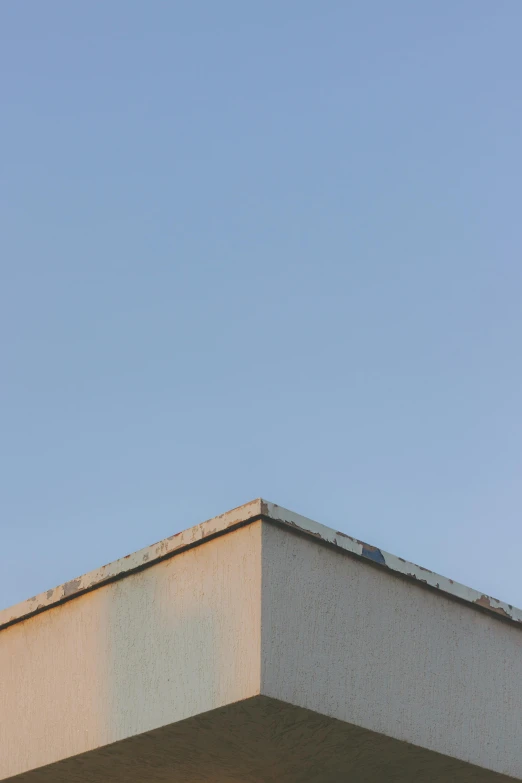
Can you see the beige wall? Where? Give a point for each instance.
(261, 609)
(353, 642)
(175, 640)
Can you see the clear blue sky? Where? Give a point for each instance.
(261, 249)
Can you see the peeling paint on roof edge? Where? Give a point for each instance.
(238, 517)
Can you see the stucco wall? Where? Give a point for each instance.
(262, 609)
(351, 641)
(176, 640)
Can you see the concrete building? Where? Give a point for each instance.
(261, 646)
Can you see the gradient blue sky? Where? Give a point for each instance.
(261, 249)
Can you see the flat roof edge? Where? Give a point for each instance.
(396, 565)
(238, 517)
(130, 564)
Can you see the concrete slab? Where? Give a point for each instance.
(259, 646)
(260, 740)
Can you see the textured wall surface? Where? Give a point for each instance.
(260, 653)
(161, 645)
(351, 641)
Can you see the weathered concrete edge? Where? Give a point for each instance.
(138, 561)
(231, 520)
(393, 563)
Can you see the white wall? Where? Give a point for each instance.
(351, 641)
